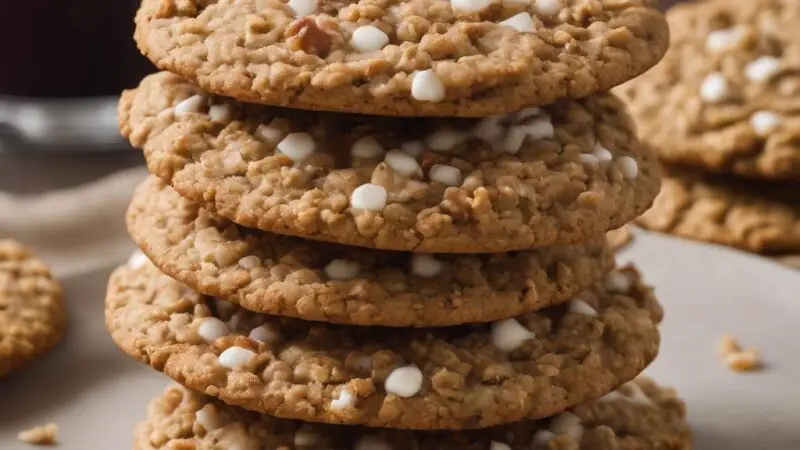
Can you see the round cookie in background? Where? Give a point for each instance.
(755, 216)
(32, 312)
(724, 98)
(640, 415)
(536, 178)
(420, 58)
(471, 376)
(288, 276)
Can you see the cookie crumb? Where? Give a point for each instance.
(40, 435)
(737, 359)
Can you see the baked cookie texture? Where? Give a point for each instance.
(287, 276)
(726, 96)
(639, 416)
(533, 366)
(539, 177)
(758, 217)
(410, 58)
(32, 312)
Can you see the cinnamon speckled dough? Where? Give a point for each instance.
(641, 416)
(759, 217)
(334, 185)
(258, 51)
(32, 313)
(288, 276)
(727, 95)
(470, 376)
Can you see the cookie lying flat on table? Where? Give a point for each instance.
(310, 280)
(563, 174)
(726, 97)
(421, 58)
(32, 312)
(470, 376)
(640, 416)
(758, 217)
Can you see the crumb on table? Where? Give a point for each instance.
(40, 435)
(736, 358)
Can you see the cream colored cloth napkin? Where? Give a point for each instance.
(75, 230)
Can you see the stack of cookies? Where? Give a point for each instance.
(380, 225)
(722, 110)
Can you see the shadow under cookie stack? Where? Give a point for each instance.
(721, 110)
(380, 225)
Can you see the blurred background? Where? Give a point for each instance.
(63, 72)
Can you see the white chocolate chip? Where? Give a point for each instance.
(264, 334)
(302, 7)
(372, 442)
(250, 262)
(509, 334)
(548, 8)
(579, 306)
(540, 128)
(445, 174)
(489, 128)
(369, 197)
(220, 113)
(342, 269)
(541, 438)
(270, 133)
(494, 445)
(427, 87)
(765, 122)
(425, 265)
(637, 395)
(138, 260)
(212, 329)
(208, 418)
(404, 381)
(446, 140)
(305, 436)
(346, 399)
(368, 39)
(617, 281)
(601, 153)
(628, 166)
(714, 88)
(297, 146)
(469, 6)
(568, 424)
(402, 163)
(515, 136)
(366, 147)
(762, 69)
(412, 148)
(588, 158)
(236, 356)
(612, 396)
(193, 104)
(522, 22)
(728, 38)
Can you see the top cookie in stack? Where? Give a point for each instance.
(460, 58)
(722, 109)
(399, 272)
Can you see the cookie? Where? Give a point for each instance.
(724, 99)
(789, 260)
(641, 415)
(471, 376)
(619, 238)
(537, 178)
(287, 276)
(419, 58)
(758, 217)
(32, 313)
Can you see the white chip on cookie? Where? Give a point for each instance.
(495, 445)
(628, 166)
(306, 436)
(469, 6)
(548, 8)
(412, 148)
(369, 197)
(138, 260)
(762, 69)
(445, 139)
(212, 329)
(366, 147)
(220, 112)
(402, 163)
(725, 39)
(425, 265)
(579, 306)
(270, 133)
(297, 146)
(568, 424)
(522, 22)
(427, 87)
(507, 335)
(302, 8)
(714, 88)
(193, 104)
(346, 399)
(445, 174)
(264, 334)
(765, 123)
(236, 356)
(541, 439)
(209, 418)
(404, 381)
(601, 153)
(368, 39)
(342, 269)
(618, 281)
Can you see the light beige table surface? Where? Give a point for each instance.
(96, 395)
